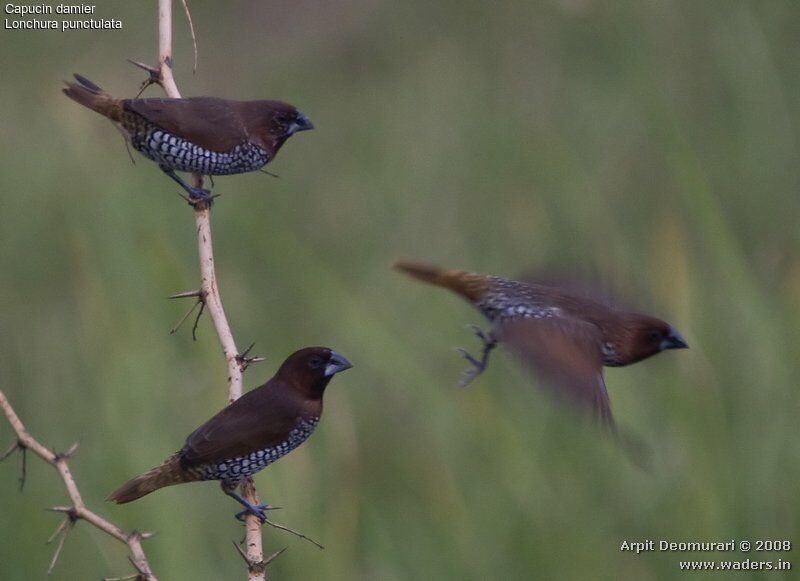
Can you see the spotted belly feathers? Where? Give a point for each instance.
(234, 469)
(182, 155)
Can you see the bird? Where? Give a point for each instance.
(251, 433)
(564, 337)
(202, 135)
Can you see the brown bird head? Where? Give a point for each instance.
(312, 368)
(273, 122)
(640, 337)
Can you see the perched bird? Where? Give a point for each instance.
(251, 433)
(565, 337)
(203, 135)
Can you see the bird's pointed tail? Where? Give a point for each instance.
(469, 285)
(166, 474)
(90, 95)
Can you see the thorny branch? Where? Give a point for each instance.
(208, 294)
(208, 298)
(77, 510)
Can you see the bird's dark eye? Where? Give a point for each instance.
(654, 335)
(315, 362)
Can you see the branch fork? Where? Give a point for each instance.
(245, 361)
(77, 510)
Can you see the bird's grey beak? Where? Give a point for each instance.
(336, 364)
(301, 123)
(674, 341)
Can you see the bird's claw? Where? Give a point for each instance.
(468, 356)
(480, 334)
(199, 197)
(199, 193)
(478, 365)
(469, 375)
(257, 510)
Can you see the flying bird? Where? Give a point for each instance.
(566, 338)
(203, 135)
(251, 433)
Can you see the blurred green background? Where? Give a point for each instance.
(653, 142)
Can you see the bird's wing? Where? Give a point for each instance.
(565, 353)
(261, 418)
(211, 123)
